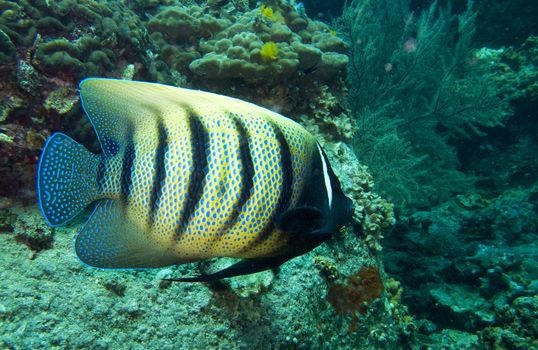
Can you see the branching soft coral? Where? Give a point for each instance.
(416, 90)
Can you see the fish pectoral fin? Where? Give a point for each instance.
(300, 220)
(244, 267)
(110, 240)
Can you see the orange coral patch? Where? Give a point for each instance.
(360, 290)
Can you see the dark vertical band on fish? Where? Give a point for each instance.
(286, 185)
(129, 155)
(159, 176)
(287, 171)
(199, 140)
(247, 171)
(101, 173)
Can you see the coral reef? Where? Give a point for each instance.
(330, 119)
(48, 48)
(421, 115)
(514, 69)
(463, 186)
(478, 256)
(240, 50)
(269, 53)
(252, 54)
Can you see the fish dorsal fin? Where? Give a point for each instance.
(115, 106)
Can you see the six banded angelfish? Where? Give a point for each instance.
(186, 175)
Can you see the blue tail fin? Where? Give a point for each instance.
(66, 179)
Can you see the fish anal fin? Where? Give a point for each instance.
(110, 240)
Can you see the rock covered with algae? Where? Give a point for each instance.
(71, 305)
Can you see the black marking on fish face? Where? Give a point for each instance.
(341, 210)
(199, 139)
(129, 156)
(314, 192)
(286, 190)
(160, 170)
(314, 195)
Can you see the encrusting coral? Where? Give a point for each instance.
(233, 46)
(354, 296)
(326, 267)
(514, 69)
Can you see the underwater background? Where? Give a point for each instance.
(427, 112)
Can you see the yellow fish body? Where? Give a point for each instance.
(187, 175)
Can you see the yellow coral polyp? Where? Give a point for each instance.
(267, 11)
(274, 16)
(269, 51)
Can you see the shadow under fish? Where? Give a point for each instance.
(187, 175)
